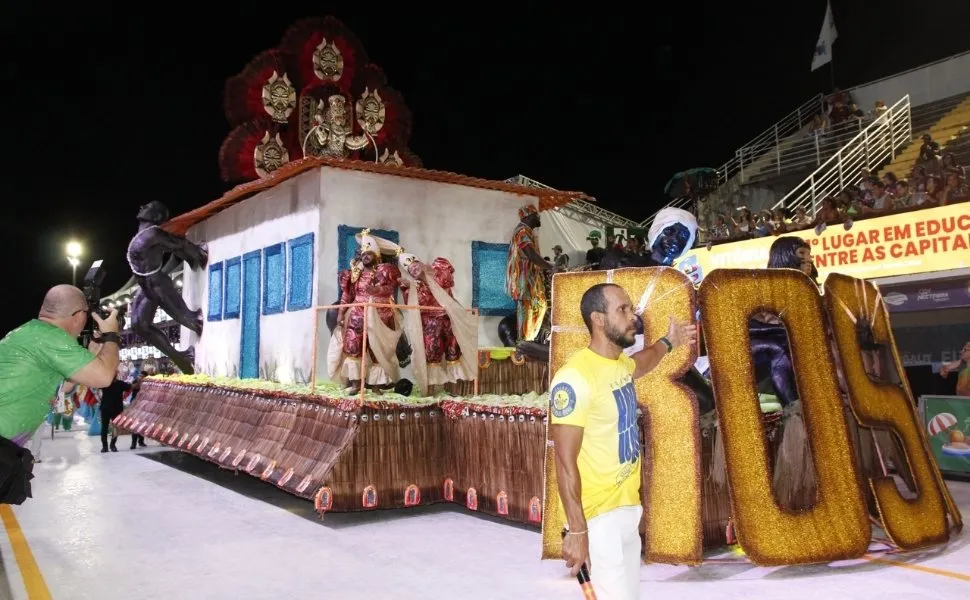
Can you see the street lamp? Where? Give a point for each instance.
(74, 257)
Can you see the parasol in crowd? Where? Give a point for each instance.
(692, 182)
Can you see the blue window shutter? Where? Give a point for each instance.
(300, 285)
(215, 292)
(274, 279)
(249, 321)
(233, 280)
(488, 279)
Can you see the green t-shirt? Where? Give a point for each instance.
(34, 359)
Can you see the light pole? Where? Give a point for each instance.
(74, 257)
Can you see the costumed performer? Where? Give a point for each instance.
(671, 234)
(368, 280)
(525, 274)
(596, 432)
(444, 344)
(794, 472)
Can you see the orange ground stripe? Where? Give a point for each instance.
(920, 568)
(29, 571)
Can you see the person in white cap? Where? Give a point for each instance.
(372, 281)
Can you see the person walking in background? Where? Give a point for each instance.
(137, 438)
(111, 407)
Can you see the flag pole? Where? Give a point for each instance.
(832, 67)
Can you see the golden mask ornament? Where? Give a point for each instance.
(371, 111)
(391, 159)
(279, 97)
(270, 154)
(328, 62)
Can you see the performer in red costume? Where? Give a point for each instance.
(369, 280)
(448, 338)
(439, 340)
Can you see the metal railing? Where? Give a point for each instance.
(768, 141)
(875, 145)
(581, 210)
(805, 151)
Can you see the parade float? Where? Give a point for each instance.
(268, 267)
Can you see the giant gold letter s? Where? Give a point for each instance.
(909, 523)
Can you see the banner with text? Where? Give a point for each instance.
(927, 295)
(925, 241)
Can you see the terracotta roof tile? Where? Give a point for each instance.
(548, 199)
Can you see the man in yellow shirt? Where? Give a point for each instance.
(596, 433)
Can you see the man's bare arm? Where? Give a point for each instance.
(648, 359)
(100, 372)
(536, 259)
(677, 335)
(568, 439)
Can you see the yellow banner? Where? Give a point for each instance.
(935, 239)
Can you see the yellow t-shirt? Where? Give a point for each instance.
(597, 394)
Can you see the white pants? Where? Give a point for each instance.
(614, 553)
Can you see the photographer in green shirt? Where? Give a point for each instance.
(36, 357)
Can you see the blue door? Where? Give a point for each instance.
(249, 342)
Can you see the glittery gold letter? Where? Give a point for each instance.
(569, 335)
(909, 523)
(672, 469)
(837, 526)
(671, 421)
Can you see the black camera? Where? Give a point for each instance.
(92, 293)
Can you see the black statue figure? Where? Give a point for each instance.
(146, 257)
(671, 234)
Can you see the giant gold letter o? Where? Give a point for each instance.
(837, 526)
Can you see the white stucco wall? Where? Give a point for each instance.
(284, 212)
(433, 219)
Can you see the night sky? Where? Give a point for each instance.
(109, 108)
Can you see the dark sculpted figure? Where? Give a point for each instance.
(671, 234)
(769, 340)
(146, 256)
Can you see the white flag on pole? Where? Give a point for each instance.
(826, 37)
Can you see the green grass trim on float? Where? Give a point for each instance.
(338, 392)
